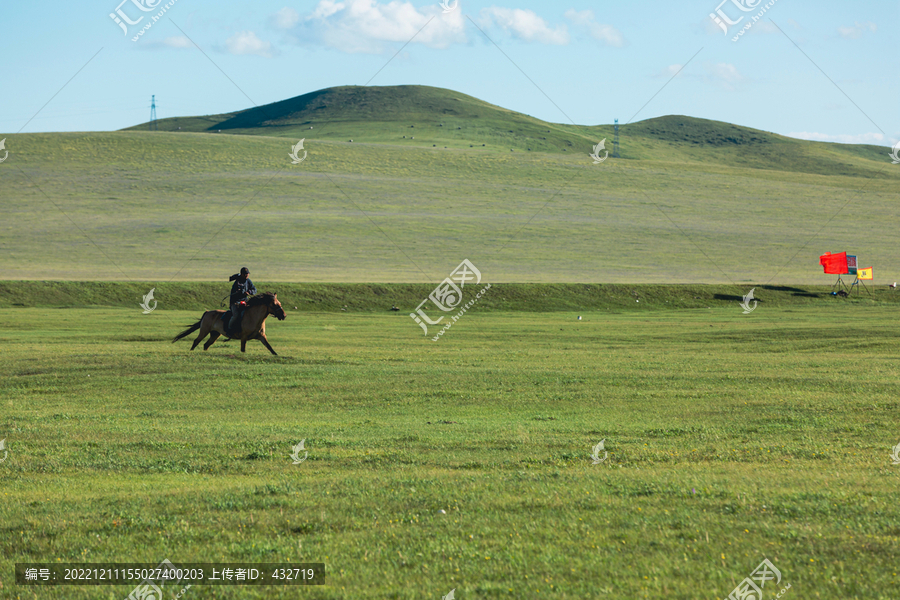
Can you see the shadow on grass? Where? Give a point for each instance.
(795, 291)
(731, 298)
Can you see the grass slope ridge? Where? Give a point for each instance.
(151, 200)
(375, 298)
(427, 116)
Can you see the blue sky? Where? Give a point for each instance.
(588, 62)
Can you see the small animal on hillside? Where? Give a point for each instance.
(893, 285)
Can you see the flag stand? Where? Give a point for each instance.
(840, 282)
(857, 283)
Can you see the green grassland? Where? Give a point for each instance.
(731, 438)
(690, 201)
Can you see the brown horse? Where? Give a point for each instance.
(253, 324)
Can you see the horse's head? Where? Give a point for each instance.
(276, 309)
(270, 300)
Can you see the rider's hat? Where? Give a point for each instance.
(245, 271)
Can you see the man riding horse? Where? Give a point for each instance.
(242, 289)
(252, 326)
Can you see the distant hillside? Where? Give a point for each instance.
(154, 206)
(430, 179)
(408, 114)
(422, 116)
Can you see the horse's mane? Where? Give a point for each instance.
(259, 299)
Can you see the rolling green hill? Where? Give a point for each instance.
(422, 116)
(691, 201)
(412, 115)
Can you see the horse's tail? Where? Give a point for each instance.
(189, 330)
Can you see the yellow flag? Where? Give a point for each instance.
(865, 273)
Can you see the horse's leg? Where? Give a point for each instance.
(262, 337)
(213, 336)
(245, 332)
(249, 324)
(204, 330)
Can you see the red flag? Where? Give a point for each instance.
(834, 264)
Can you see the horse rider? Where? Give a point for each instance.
(242, 289)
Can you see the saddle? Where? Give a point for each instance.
(226, 318)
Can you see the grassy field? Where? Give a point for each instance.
(690, 201)
(731, 438)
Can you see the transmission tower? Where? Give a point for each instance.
(153, 113)
(616, 141)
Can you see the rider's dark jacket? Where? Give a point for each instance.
(241, 289)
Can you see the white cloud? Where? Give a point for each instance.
(725, 75)
(284, 18)
(178, 41)
(525, 25)
(326, 8)
(764, 27)
(246, 42)
(857, 31)
(859, 138)
(607, 34)
(670, 71)
(369, 26)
